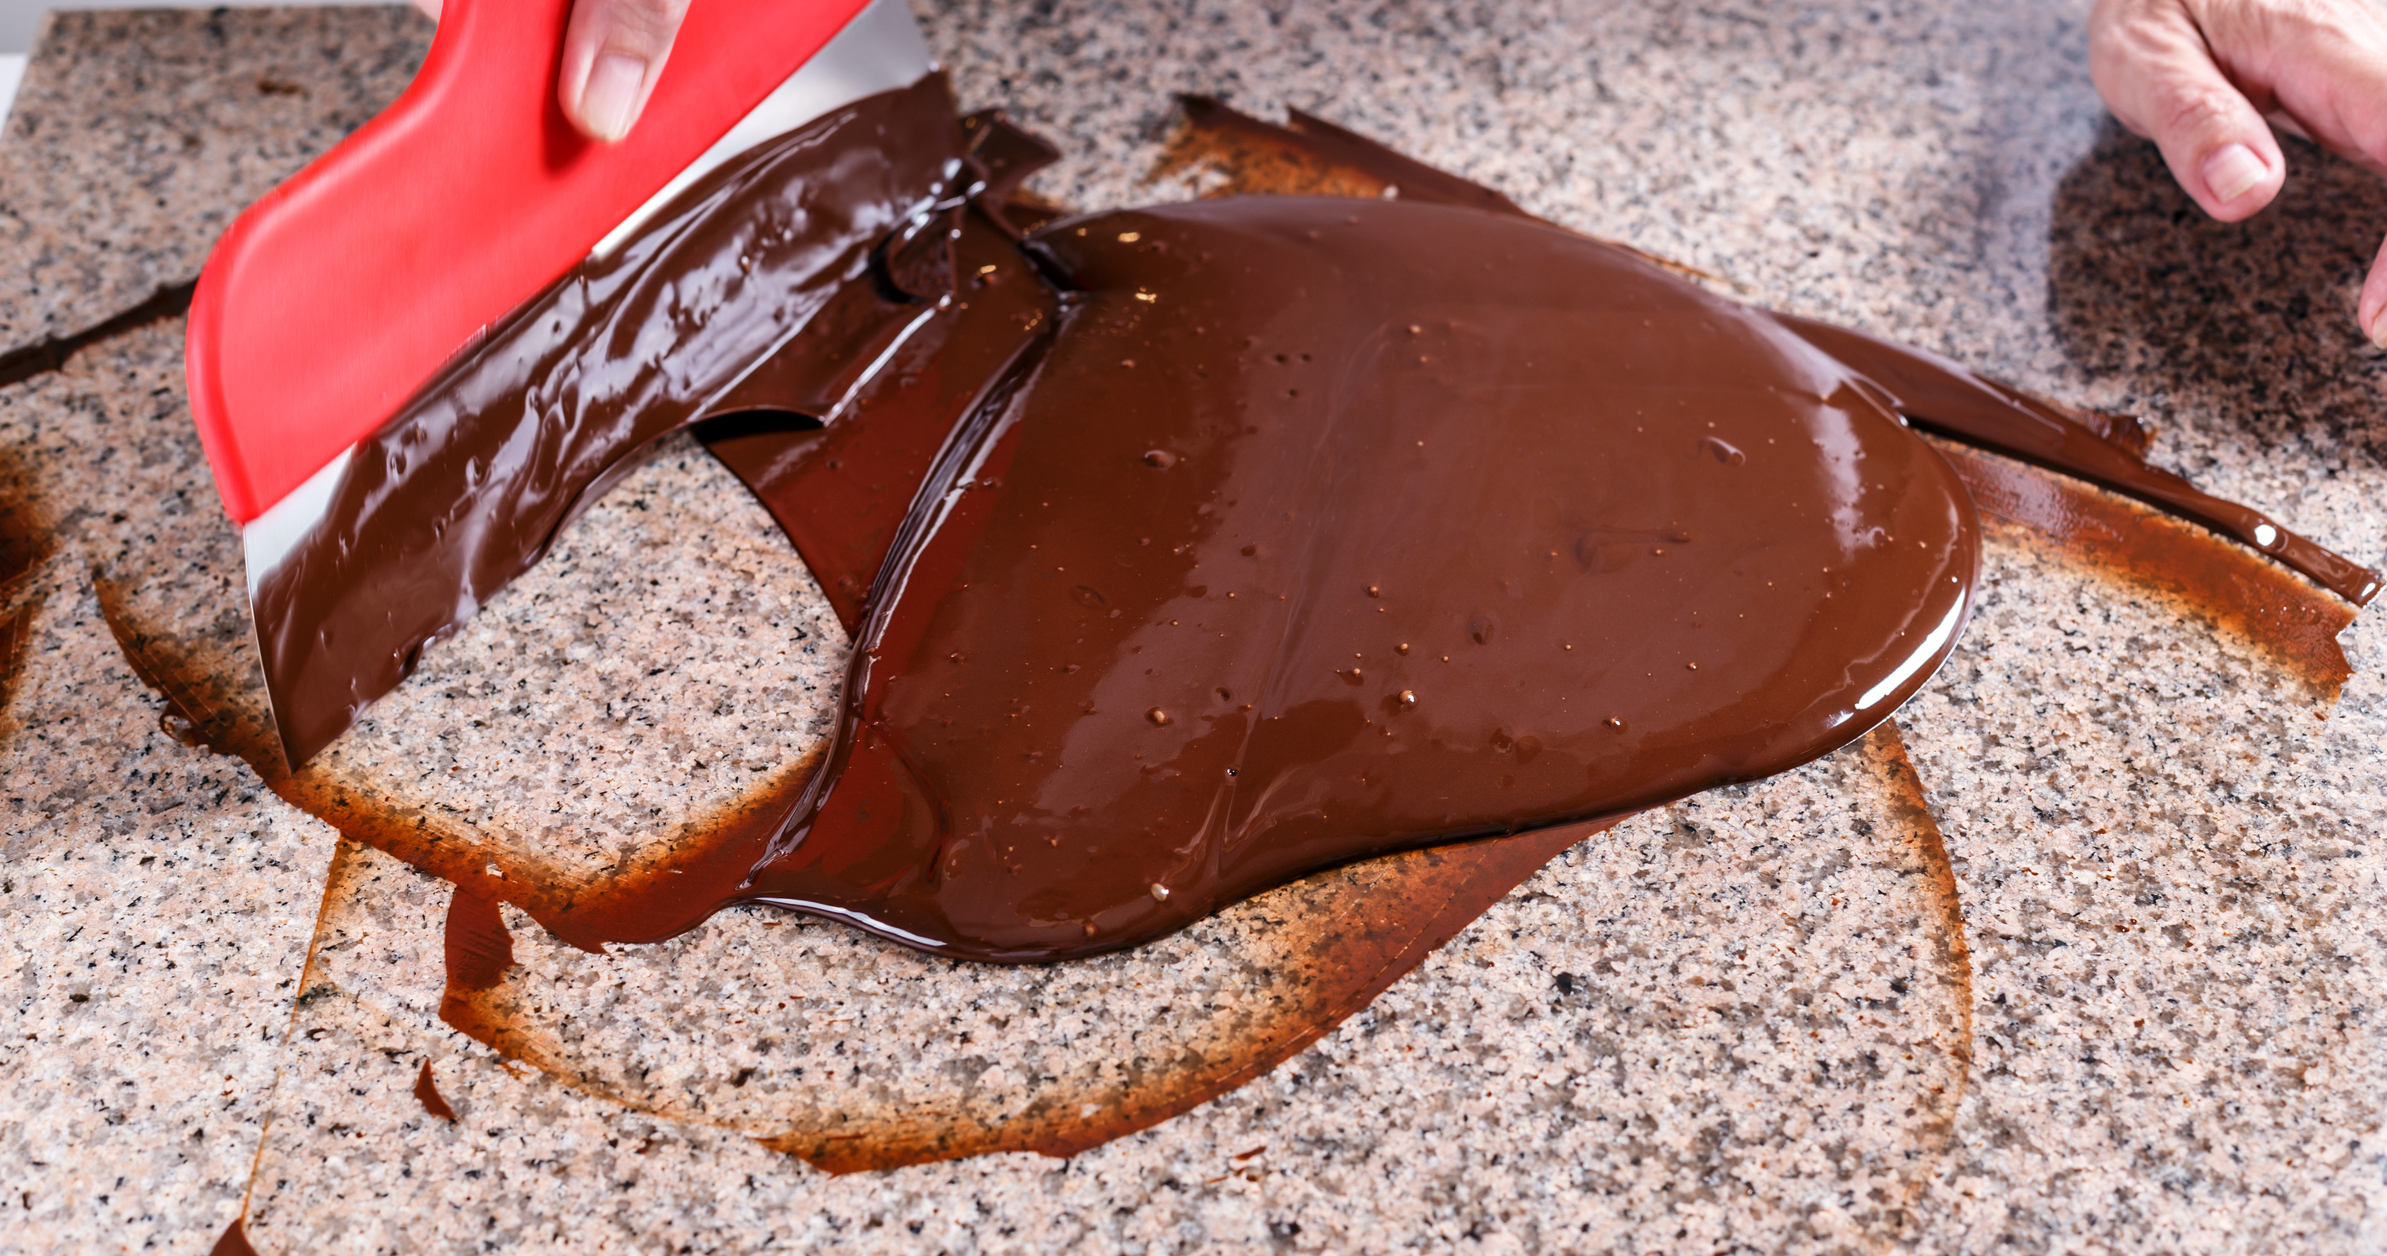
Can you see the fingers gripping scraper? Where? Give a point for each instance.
(330, 302)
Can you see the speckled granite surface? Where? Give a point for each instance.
(2137, 1007)
(136, 136)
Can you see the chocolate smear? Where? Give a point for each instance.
(2262, 603)
(426, 1089)
(1359, 930)
(24, 546)
(234, 1241)
(479, 949)
(51, 352)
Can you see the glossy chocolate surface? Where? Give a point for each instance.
(1195, 548)
(1327, 528)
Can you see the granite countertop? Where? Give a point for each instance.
(2086, 953)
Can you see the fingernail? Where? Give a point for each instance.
(610, 101)
(2378, 330)
(2232, 172)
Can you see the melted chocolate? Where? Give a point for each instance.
(1199, 547)
(234, 1241)
(24, 546)
(469, 484)
(426, 1092)
(842, 491)
(1328, 528)
(479, 949)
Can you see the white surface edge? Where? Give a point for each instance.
(268, 539)
(12, 73)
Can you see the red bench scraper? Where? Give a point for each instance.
(334, 298)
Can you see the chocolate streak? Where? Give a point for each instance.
(1239, 539)
(24, 546)
(234, 1241)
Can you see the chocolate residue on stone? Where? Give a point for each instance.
(24, 546)
(2261, 602)
(51, 352)
(1236, 539)
(426, 1089)
(234, 1241)
(1910, 807)
(1313, 157)
(1338, 162)
(206, 710)
(1359, 934)
(479, 949)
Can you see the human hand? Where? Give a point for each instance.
(2199, 76)
(613, 52)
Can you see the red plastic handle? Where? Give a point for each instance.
(332, 299)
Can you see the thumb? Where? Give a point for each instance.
(2153, 68)
(2371, 310)
(613, 52)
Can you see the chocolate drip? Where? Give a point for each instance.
(1195, 548)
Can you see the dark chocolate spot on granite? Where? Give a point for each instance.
(479, 949)
(426, 1090)
(51, 352)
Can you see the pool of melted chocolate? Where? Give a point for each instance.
(1194, 548)
(1325, 528)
